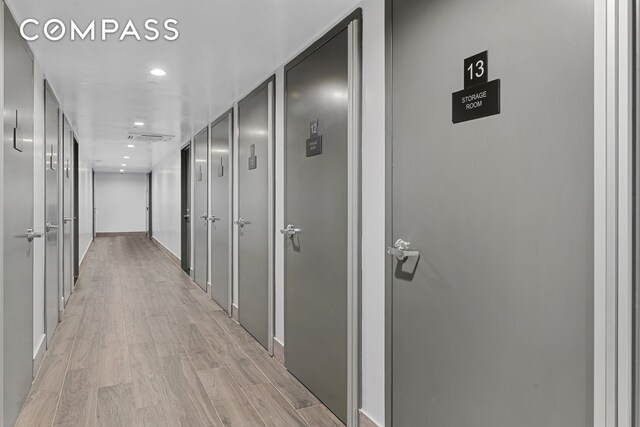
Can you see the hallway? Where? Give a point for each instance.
(141, 345)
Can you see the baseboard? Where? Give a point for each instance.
(37, 360)
(278, 351)
(234, 312)
(167, 252)
(123, 233)
(84, 256)
(365, 421)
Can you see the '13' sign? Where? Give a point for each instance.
(476, 69)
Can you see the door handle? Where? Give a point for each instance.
(241, 222)
(290, 231)
(403, 250)
(204, 216)
(214, 218)
(30, 235)
(49, 227)
(68, 219)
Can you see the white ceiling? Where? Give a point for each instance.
(225, 48)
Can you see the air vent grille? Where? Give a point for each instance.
(148, 137)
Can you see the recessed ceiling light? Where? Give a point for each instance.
(131, 146)
(138, 124)
(121, 170)
(126, 157)
(123, 165)
(158, 72)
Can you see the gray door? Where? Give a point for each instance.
(67, 211)
(221, 222)
(253, 214)
(493, 321)
(185, 202)
(18, 218)
(316, 203)
(52, 255)
(200, 220)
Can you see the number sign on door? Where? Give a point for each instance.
(480, 97)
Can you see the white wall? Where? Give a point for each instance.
(85, 201)
(166, 202)
(121, 202)
(38, 208)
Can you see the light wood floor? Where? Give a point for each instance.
(142, 345)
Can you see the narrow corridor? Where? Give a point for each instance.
(141, 345)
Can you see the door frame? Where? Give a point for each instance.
(612, 226)
(353, 24)
(230, 114)
(2, 210)
(150, 205)
(185, 202)
(635, 212)
(75, 207)
(93, 203)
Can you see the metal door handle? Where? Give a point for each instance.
(214, 218)
(68, 219)
(403, 250)
(30, 235)
(290, 231)
(241, 222)
(204, 216)
(49, 227)
(187, 216)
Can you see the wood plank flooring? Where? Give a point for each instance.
(140, 344)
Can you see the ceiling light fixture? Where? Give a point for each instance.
(127, 157)
(121, 170)
(158, 72)
(138, 124)
(131, 146)
(123, 165)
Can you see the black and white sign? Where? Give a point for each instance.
(476, 69)
(220, 169)
(480, 97)
(253, 159)
(314, 143)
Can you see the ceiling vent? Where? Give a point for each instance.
(149, 137)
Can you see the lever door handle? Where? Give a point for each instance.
(204, 216)
(30, 235)
(241, 222)
(403, 250)
(49, 227)
(68, 219)
(290, 231)
(214, 218)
